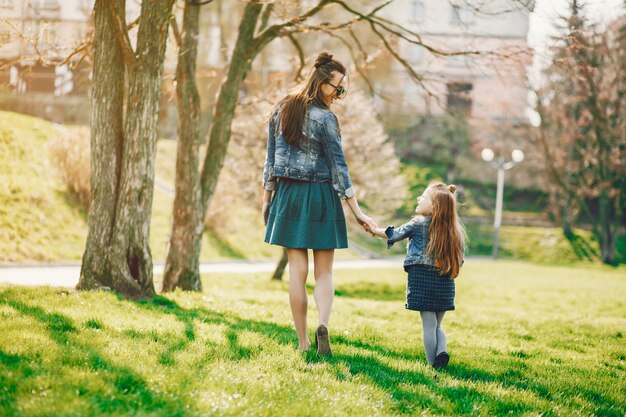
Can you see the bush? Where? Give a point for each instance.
(69, 152)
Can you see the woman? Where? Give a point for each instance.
(306, 169)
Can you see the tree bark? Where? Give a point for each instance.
(124, 262)
(280, 268)
(182, 265)
(606, 238)
(107, 138)
(187, 259)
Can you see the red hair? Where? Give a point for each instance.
(446, 231)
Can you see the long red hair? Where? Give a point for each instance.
(446, 231)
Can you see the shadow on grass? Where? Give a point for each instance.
(222, 246)
(72, 201)
(130, 393)
(371, 290)
(449, 391)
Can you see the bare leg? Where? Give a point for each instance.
(429, 325)
(324, 290)
(298, 271)
(442, 340)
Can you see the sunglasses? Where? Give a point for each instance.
(341, 91)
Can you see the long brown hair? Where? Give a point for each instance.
(294, 106)
(446, 231)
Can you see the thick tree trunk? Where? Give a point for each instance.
(125, 263)
(280, 268)
(107, 138)
(182, 264)
(241, 61)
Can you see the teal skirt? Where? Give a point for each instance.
(306, 215)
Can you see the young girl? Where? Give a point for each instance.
(433, 259)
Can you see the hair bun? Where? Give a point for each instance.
(452, 188)
(323, 59)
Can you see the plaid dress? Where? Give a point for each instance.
(426, 290)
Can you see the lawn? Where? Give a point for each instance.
(525, 340)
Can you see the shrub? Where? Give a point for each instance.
(69, 152)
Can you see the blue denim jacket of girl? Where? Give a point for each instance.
(318, 157)
(417, 232)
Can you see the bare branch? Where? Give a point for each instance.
(83, 47)
(417, 77)
(122, 34)
(277, 30)
(360, 70)
(265, 17)
(176, 31)
(298, 47)
(133, 24)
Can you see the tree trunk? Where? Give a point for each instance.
(182, 266)
(224, 111)
(125, 261)
(107, 138)
(606, 238)
(280, 268)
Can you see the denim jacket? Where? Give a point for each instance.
(317, 157)
(417, 232)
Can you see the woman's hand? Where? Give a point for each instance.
(267, 199)
(365, 221)
(266, 212)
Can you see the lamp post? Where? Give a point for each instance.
(487, 155)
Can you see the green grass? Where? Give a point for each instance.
(525, 340)
(39, 221)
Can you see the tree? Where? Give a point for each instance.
(123, 139)
(583, 129)
(188, 212)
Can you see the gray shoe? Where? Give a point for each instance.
(321, 341)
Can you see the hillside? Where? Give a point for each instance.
(41, 221)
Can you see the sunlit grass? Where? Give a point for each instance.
(39, 221)
(525, 340)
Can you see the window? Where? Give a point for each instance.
(459, 98)
(418, 11)
(462, 15)
(6, 4)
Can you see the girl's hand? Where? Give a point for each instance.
(379, 232)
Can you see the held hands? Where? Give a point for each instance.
(370, 226)
(366, 222)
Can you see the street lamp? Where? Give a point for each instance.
(487, 155)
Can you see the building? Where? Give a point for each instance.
(489, 86)
(35, 36)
